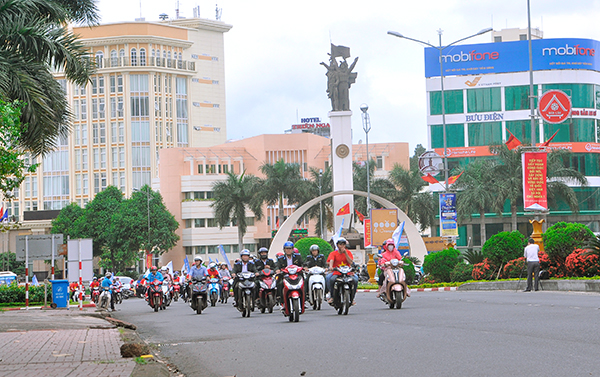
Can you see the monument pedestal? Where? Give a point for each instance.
(341, 153)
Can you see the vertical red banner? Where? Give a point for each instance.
(534, 181)
(367, 236)
(148, 260)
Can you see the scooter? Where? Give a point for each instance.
(267, 290)
(316, 286)
(118, 296)
(155, 295)
(167, 290)
(394, 285)
(95, 294)
(214, 288)
(225, 290)
(245, 287)
(342, 289)
(199, 295)
(104, 298)
(293, 293)
(176, 288)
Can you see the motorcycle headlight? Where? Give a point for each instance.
(293, 286)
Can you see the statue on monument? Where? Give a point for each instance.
(339, 78)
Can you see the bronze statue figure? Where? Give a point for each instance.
(339, 78)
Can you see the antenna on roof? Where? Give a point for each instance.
(219, 12)
(177, 11)
(197, 11)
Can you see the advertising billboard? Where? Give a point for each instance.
(448, 223)
(504, 57)
(384, 222)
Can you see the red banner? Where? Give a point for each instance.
(534, 181)
(148, 260)
(367, 236)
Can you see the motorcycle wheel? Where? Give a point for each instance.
(271, 302)
(213, 298)
(199, 305)
(120, 298)
(155, 306)
(176, 296)
(394, 297)
(295, 311)
(346, 304)
(399, 299)
(262, 303)
(249, 305)
(318, 297)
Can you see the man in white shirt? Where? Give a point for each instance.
(533, 263)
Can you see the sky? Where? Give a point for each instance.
(272, 54)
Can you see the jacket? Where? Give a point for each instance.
(260, 264)
(282, 261)
(237, 268)
(319, 260)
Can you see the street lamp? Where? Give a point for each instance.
(367, 127)
(441, 48)
(149, 198)
(320, 202)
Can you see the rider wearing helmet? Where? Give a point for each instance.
(389, 252)
(264, 260)
(107, 283)
(213, 272)
(315, 258)
(340, 256)
(244, 265)
(94, 283)
(164, 270)
(288, 258)
(198, 271)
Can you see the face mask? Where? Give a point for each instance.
(390, 247)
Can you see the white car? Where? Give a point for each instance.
(126, 281)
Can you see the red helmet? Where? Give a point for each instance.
(296, 250)
(153, 268)
(279, 254)
(387, 242)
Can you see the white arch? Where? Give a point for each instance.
(417, 246)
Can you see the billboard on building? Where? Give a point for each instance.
(504, 57)
(384, 222)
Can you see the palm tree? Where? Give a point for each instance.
(282, 180)
(231, 199)
(382, 187)
(509, 173)
(477, 192)
(311, 190)
(36, 40)
(418, 204)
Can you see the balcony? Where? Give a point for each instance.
(146, 62)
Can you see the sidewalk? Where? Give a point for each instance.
(60, 343)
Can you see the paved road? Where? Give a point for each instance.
(497, 333)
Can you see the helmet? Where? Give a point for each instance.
(314, 247)
(212, 265)
(341, 240)
(288, 244)
(176, 273)
(387, 242)
(296, 250)
(108, 274)
(153, 268)
(197, 259)
(116, 278)
(263, 250)
(95, 278)
(279, 254)
(245, 252)
(164, 268)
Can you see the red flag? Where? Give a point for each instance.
(453, 179)
(345, 210)
(545, 144)
(512, 141)
(361, 217)
(429, 178)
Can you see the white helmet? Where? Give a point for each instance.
(212, 265)
(164, 268)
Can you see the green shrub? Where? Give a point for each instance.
(303, 245)
(503, 247)
(562, 239)
(439, 265)
(514, 268)
(461, 272)
(472, 256)
(409, 270)
(13, 293)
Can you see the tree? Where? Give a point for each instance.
(231, 199)
(477, 192)
(414, 160)
(311, 191)
(503, 247)
(562, 238)
(36, 40)
(281, 180)
(381, 187)
(65, 221)
(418, 204)
(8, 262)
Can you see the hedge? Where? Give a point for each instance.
(303, 245)
(13, 293)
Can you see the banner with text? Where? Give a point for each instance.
(383, 223)
(534, 181)
(448, 223)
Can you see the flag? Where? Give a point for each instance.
(361, 217)
(209, 259)
(3, 215)
(342, 51)
(545, 144)
(429, 178)
(34, 281)
(222, 251)
(186, 264)
(146, 273)
(398, 234)
(170, 267)
(512, 141)
(345, 210)
(453, 179)
(337, 235)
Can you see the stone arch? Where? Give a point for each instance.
(417, 246)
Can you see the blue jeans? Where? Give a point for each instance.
(330, 279)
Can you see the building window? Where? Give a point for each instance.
(517, 97)
(453, 102)
(482, 134)
(497, 39)
(113, 58)
(142, 56)
(94, 85)
(133, 57)
(99, 59)
(484, 100)
(379, 163)
(522, 37)
(188, 223)
(120, 83)
(83, 109)
(578, 130)
(582, 95)
(199, 223)
(521, 129)
(200, 169)
(455, 135)
(101, 108)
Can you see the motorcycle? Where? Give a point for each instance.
(342, 289)
(364, 274)
(155, 295)
(127, 293)
(394, 285)
(225, 290)
(199, 295)
(167, 290)
(245, 287)
(104, 298)
(118, 295)
(95, 294)
(214, 288)
(176, 289)
(418, 274)
(316, 286)
(267, 290)
(293, 293)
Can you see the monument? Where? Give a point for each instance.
(339, 79)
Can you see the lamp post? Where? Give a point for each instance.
(441, 48)
(321, 202)
(149, 198)
(367, 127)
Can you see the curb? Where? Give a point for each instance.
(440, 289)
(90, 305)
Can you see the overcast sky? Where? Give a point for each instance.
(273, 51)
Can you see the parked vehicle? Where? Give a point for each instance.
(293, 292)
(418, 274)
(199, 295)
(155, 295)
(245, 286)
(267, 290)
(316, 287)
(214, 288)
(104, 298)
(342, 289)
(394, 285)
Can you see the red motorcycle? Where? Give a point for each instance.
(268, 287)
(95, 294)
(176, 288)
(293, 292)
(155, 295)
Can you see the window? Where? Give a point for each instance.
(103, 158)
(84, 159)
(481, 134)
(133, 57)
(84, 184)
(121, 132)
(84, 134)
(522, 37)
(96, 158)
(139, 95)
(188, 223)
(94, 108)
(199, 223)
(121, 157)
(94, 85)
(77, 134)
(522, 130)
(113, 132)
(517, 97)
(113, 58)
(99, 59)
(453, 102)
(455, 136)
(483, 100)
(95, 134)
(582, 95)
(142, 56)
(120, 83)
(113, 107)
(579, 130)
(83, 109)
(101, 108)
(100, 84)
(379, 163)
(200, 169)
(76, 109)
(102, 127)
(120, 107)
(114, 158)
(113, 83)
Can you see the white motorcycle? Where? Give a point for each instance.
(167, 290)
(104, 298)
(316, 286)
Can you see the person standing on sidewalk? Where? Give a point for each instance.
(533, 264)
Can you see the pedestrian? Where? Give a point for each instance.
(533, 264)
